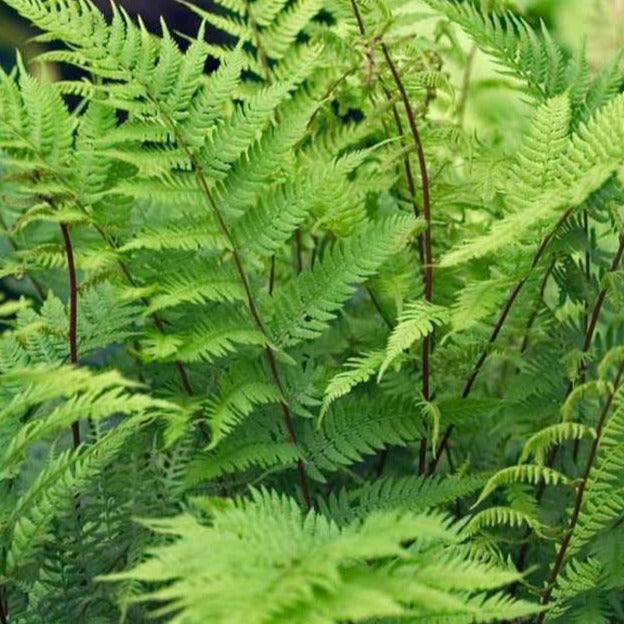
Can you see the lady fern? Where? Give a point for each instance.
(307, 337)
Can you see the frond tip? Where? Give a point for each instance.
(417, 320)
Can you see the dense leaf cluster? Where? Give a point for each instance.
(294, 341)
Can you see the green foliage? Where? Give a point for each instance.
(306, 329)
(313, 570)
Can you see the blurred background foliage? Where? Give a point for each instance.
(596, 24)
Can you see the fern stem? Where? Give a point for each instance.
(255, 313)
(593, 319)
(533, 317)
(272, 275)
(589, 335)
(442, 446)
(426, 210)
(251, 302)
(4, 608)
(587, 259)
(587, 266)
(303, 479)
(73, 314)
(409, 176)
(428, 254)
(424, 175)
(563, 549)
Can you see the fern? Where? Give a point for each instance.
(416, 321)
(301, 544)
(361, 369)
(318, 304)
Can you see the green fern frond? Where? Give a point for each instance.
(541, 442)
(413, 494)
(478, 301)
(499, 517)
(55, 490)
(311, 553)
(239, 392)
(526, 473)
(271, 222)
(352, 429)
(304, 307)
(360, 369)
(590, 157)
(416, 321)
(532, 57)
(195, 284)
(205, 340)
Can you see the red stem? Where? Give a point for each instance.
(589, 335)
(4, 609)
(409, 176)
(443, 445)
(251, 303)
(73, 314)
(563, 549)
(305, 488)
(426, 210)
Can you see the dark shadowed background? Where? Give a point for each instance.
(15, 32)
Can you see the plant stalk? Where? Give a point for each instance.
(73, 314)
(251, 302)
(426, 211)
(443, 445)
(578, 504)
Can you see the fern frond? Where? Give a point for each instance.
(416, 321)
(590, 157)
(360, 369)
(499, 517)
(352, 429)
(308, 555)
(55, 490)
(532, 57)
(526, 473)
(538, 444)
(271, 222)
(304, 307)
(414, 494)
(239, 392)
(205, 340)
